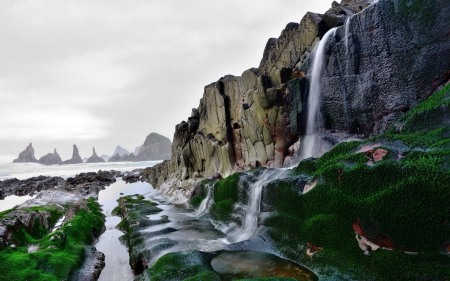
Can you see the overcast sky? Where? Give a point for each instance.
(108, 73)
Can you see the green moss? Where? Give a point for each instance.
(196, 201)
(191, 265)
(60, 253)
(227, 189)
(222, 210)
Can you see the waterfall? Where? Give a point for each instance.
(312, 142)
(204, 207)
(250, 221)
(347, 33)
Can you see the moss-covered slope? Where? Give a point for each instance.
(59, 253)
(391, 191)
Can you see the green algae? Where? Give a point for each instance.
(60, 253)
(182, 266)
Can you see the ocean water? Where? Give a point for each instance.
(28, 170)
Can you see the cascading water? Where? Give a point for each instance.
(312, 142)
(204, 207)
(347, 34)
(250, 222)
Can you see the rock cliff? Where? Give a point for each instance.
(76, 158)
(26, 156)
(51, 159)
(378, 63)
(94, 158)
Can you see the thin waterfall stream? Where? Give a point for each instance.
(250, 221)
(312, 142)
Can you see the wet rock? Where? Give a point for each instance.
(29, 186)
(26, 156)
(92, 267)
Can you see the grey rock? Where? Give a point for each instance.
(94, 158)
(51, 159)
(26, 156)
(76, 158)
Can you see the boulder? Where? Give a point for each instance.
(26, 156)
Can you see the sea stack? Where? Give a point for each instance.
(26, 156)
(155, 147)
(95, 158)
(51, 159)
(76, 158)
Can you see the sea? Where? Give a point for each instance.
(28, 170)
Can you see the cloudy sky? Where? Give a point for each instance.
(107, 73)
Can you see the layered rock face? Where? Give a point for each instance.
(26, 156)
(51, 159)
(94, 158)
(155, 147)
(378, 63)
(76, 158)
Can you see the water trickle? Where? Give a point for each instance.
(312, 142)
(347, 34)
(204, 207)
(250, 222)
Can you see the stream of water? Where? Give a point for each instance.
(250, 222)
(186, 230)
(312, 142)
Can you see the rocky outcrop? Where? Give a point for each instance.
(76, 158)
(155, 147)
(94, 158)
(378, 63)
(29, 186)
(105, 157)
(51, 159)
(26, 156)
(121, 151)
(136, 150)
(125, 158)
(91, 183)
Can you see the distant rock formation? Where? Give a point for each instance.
(105, 157)
(94, 158)
(51, 159)
(155, 147)
(125, 158)
(121, 151)
(26, 156)
(136, 150)
(76, 158)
